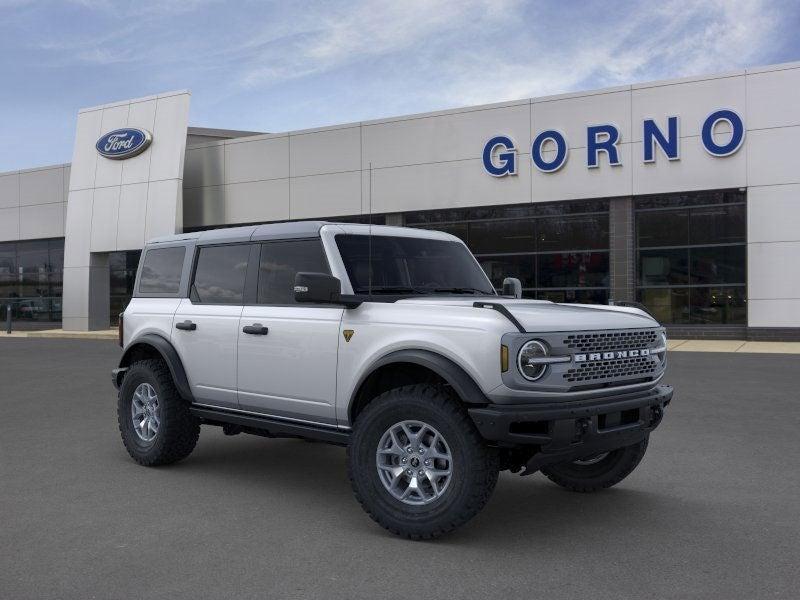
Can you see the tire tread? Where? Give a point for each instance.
(182, 429)
(485, 463)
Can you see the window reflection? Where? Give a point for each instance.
(31, 275)
(692, 258)
(558, 250)
(122, 271)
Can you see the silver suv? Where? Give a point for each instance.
(394, 343)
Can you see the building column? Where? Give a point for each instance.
(116, 205)
(622, 255)
(86, 293)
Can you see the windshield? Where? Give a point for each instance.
(409, 265)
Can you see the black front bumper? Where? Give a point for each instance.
(564, 431)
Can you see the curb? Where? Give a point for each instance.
(108, 334)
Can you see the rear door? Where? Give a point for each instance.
(206, 325)
(288, 351)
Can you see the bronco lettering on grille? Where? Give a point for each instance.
(611, 355)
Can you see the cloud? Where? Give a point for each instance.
(474, 52)
(672, 40)
(471, 51)
(325, 39)
(274, 65)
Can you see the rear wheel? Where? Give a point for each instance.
(417, 464)
(597, 472)
(154, 421)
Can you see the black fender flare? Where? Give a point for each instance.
(167, 352)
(455, 376)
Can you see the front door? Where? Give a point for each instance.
(287, 351)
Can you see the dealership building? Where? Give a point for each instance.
(683, 195)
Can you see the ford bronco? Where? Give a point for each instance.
(394, 343)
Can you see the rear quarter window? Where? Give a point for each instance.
(161, 270)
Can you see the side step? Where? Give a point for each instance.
(271, 427)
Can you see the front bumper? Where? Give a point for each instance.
(564, 431)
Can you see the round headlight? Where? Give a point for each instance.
(532, 350)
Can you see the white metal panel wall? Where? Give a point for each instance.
(773, 178)
(33, 203)
(434, 161)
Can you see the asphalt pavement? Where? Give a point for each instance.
(712, 512)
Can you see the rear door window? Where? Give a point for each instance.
(161, 270)
(220, 274)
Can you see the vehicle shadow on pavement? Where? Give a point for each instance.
(282, 472)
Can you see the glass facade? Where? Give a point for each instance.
(559, 251)
(31, 278)
(692, 257)
(122, 267)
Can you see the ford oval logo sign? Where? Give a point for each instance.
(123, 143)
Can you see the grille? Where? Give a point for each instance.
(611, 340)
(618, 368)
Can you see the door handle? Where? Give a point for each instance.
(186, 326)
(256, 329)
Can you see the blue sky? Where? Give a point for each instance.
(276, 66)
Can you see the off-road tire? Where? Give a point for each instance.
(595, 477)
(475, 465)
(178, 431)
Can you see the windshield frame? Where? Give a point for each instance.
(394, 292)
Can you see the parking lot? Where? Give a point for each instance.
(712, 512)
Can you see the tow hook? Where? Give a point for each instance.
(656, 414)
(581, 427)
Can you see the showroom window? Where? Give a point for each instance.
(691, 257)
(31, 278)
(559, 250)
(122, 267)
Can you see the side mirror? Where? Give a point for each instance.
(512, 287)
(319, 288)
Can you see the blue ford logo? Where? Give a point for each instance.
(123, 143)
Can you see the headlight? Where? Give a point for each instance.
(532, 350)
(662, 355)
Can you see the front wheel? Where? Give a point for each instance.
(597, 472)
(417, 464)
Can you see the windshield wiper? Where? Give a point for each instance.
(463, 290)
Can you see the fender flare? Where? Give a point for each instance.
(167, 352)
(461, 382)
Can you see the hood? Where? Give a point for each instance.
(544, 316)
